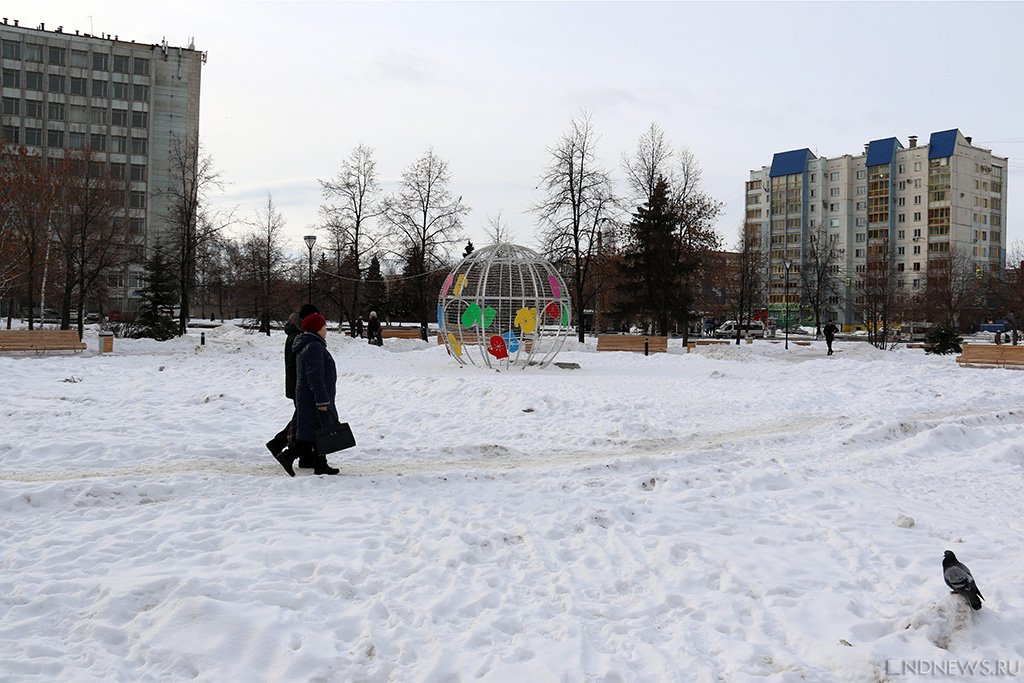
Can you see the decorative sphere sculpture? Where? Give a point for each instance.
(504, 306)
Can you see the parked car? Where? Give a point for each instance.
(727, 330)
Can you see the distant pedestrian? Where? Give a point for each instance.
(830, 334)
(359, 327)
(292, 329)
(999, 337)
(373, 332)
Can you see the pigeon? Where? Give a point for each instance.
(959, 578)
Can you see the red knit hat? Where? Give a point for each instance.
(314, 322)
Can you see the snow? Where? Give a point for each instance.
(739, 513)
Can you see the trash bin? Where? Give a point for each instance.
(106, 342)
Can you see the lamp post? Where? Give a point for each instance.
(787, 263)
(310, 240)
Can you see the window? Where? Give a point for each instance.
(12, 134)
(861, 206)
(899, 267)
(141, 67)
(833, 192)
(12, 78)
(917, 199)
(120, 64)
(33, 53)
(140, 119)
(901, 250)
(861, 222)
(12, 106)
(12, 50)
(903, 185)
(55, 138)
(78, 86)
(917, 248)
(98, 141)
(56, 84)
(917, 166)
(136, 225)
(137, 200)
(57, 55)
(861, 189)
(833, 223)
(100, 62)
(917, 266)
(834, 175)
(33, 109)
(119, 117)
(98, 117)
(119, 91)
(117, 171)
(140, 93)
(833, 207)
(902, 168)
(862, 174)
(900, 201)
(33, 81)
(80, 59)
(814, 177)
(76, 140)
(859, 237)
(917, 232)
(812, 192)
(917, 216)
(901, 218)
(99, 88)
(858, 253)
(138, 172)
(55, 111)
(78, 114)
(917, 182)
(119, 144)
(139, 146)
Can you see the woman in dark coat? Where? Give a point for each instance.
(373, 330)
(315, 390)
(292, 329)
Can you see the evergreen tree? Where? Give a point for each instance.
(159, 297)
(652, 269)
(375, 294)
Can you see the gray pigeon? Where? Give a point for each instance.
(959, 578)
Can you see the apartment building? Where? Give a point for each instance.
(128, 102)
(906, 204)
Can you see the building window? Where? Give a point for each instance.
(120, 64)
(861, 189)
(99, 142)
(137, 200)
(118, 144)
(917, 232)
(861, 222)
(140, 93)
(12, 50)
(903, 185)
(33, 109)
(917, 216)
(117, 171)
(79, 59)
(899, 267)
(100, 61)
(138, 173)
(917, 167)
(119, 91)
(33, 81)
(141, 67)
(833, 207)
(900, 201)
(12, 106)
(859, 237)
(12, 134)
(834, 176)
(917, 199)
(78, 86)
(55, 111)
(833, 223)
(901, 218)
(33, 53)
(917, 266)
(98, 116)
(99, 88)
(140, 119)
(917, 248)
(833, 192)
(139, 146)
(76, 140)
(862, 174)
(119, 117)
(917, 182)
(54, 138)
(902, 168)
(136, 225)
(858, 253)
(57, 56)
(56, 84)
(79, 114)
(12, 78)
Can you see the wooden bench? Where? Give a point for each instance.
(634, 343)
(40, 340)
(706, 342)
(991, 356)
(400, 333)
(802, 343)
(918, 346)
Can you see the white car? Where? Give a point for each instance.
(727, 330)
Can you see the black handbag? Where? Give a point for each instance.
(333, 437)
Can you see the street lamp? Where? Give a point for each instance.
(787, 263)
(310, 240)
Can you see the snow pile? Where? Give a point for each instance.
(738, 513)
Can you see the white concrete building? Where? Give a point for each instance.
(126, 101)
(908, 203)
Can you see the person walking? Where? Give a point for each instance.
(373, 332)
(830, 334)
(359, 327)
(316, 379)
(292, 329)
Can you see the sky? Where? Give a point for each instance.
(290, 88)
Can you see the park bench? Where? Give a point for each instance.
(400, 333)
(802, 343)
(634, 343)
(706, 342)
(918, 345)
(991, 356)
(40, 340)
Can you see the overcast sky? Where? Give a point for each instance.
(291, 88)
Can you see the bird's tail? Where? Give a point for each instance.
(975, 599)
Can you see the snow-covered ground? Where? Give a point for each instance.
(741, 513)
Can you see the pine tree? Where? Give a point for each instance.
(375, 295)
(159, 297)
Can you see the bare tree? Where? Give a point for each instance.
(952, 286)
(577, 202)
(498, 230)
(651, 160)
(819, 273)
(742, 277)
(880, 290)
(427, 220)
(192, 177)
(351, 201)
(266, 261)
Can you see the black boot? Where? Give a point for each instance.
(307, 458)
(285, 459)
(322, 467)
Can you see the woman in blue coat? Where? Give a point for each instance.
(315, 390)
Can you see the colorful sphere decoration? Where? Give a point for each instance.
(504, 306)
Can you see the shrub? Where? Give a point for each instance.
(943, 340)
